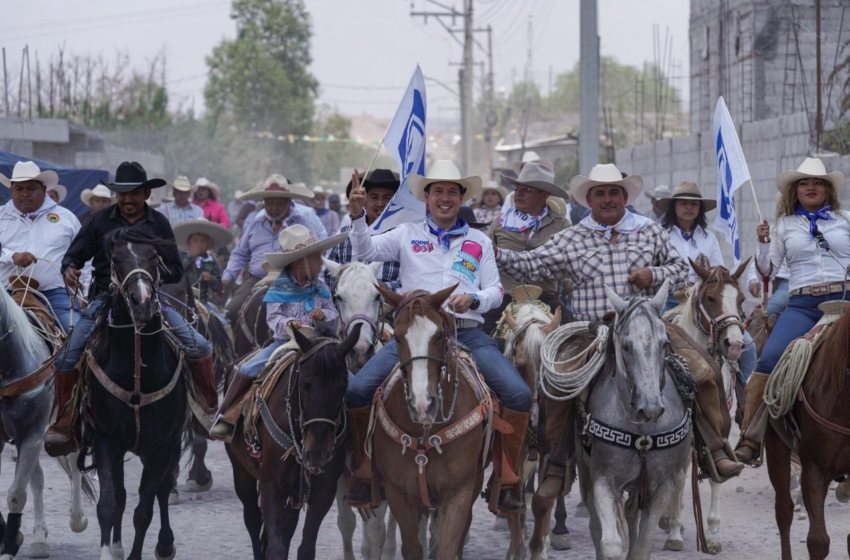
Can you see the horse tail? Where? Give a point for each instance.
(86, 483)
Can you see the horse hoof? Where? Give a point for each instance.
(715, 548)
(840, 495)
(676, 545)
(193, 486)
(117, 551)
(581, 511)
(80, 524)
(174, 498)
(169, 555)
(39, 550)
(560, 542)
(7, 557)
(500, 524)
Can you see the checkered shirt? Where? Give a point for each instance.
(591, 262)
(342, 254)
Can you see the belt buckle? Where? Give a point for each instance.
(820, 289)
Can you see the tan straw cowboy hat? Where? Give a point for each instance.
(277, 186)
(182, 183)
(539, 174)
(220, 235)
(297, 241)
(101, 191)
(29, 171)
(493, 186)
(604, 174)
(443, 171)
(811, 168)
(686, 191)
(204, 182)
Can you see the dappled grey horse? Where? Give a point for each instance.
(636, 429)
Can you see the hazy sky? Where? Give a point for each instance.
(357, 43)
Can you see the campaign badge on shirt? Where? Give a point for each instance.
(52, 218)
(467, 261)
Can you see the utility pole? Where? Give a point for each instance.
(818, 71)
(588, 147)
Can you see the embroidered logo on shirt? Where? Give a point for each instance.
(52, 218)
(420, 246)
(467, 260)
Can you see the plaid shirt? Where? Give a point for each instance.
(342, 254)
(591, 262)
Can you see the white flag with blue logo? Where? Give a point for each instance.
(732, 172)
(405, 140)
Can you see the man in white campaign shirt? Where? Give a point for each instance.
(35, 233)
(437, 253)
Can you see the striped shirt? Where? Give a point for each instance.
(591, 262)
(177, 214)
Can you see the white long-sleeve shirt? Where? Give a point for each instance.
(47, 237)
(808, 264)
(701, 243)
(469, 262)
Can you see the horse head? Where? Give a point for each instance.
(423, 333)
(717, 301)
(135, 271)
(638, 343)
(359, 303)
(525, 336)
(21, 346)
(322, 385)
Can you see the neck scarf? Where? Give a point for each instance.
(821, 214)
(287, 290)
(444, 236)
(46, 206)
(322, 211)
(514, 220)
(630, 223)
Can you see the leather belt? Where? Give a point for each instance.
(820, 289)
(461, 324)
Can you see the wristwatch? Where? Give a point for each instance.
(475, 302)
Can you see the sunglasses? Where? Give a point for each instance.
(821, 240)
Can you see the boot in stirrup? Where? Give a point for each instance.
(63, 436)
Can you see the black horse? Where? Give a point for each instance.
(137, 396)
(302, 463)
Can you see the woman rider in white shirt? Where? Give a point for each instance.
(813, 236)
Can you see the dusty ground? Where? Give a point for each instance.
(210, 525)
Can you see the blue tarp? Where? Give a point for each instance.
(75, 180)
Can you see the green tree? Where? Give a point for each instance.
(261, 79)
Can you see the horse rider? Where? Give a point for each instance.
(812, 235)
(612, 246)
(96, 199)
(35, 233)
(181, 208)
(529, 223)
(380, 187)
(655, 213)
(133, 188)
(206, 198)
(260, 235)
(197, 240)
(436, 253)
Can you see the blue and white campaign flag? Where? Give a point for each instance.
(405, 140)
(732, 172)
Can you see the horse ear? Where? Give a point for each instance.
(376, 268)
(350, 340)
(390, 296)
(661, 297)
(554, 323)
(701, 271)
(333, 267)
(615, 300)
(439, 298)
(741, 268)
(303, 342)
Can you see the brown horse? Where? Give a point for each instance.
(823, 418)
(437, 419)
(251, 330)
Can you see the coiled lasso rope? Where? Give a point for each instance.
(784, 383)
(566, 385)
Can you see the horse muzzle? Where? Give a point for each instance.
(732, 349)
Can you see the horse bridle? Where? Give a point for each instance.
(615, 330)
(134, 274)
(716, 325)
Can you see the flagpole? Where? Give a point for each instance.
(756, 200)
(381, 145)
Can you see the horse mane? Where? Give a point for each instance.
(828, 370)
(534, 336)
(327, 362)
(138, 235)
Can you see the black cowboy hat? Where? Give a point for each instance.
(378, 179)
(130, 176)
(468, 215)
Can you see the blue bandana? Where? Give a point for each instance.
(444, 236)
(822, 214)
(286, 290)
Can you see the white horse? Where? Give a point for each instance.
(24, 418)
(731, 337)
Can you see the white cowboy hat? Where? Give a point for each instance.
(99, 190)
(276, 186)
(297, 241)
(220, 235)
(182, 184)
(814, 168)
(238, 194)
(604, 174)
(204, 182)
(494, 186)
(61, 191)
(539, 174)
(443, 171)
(530, 155)
(659, 192)
(29, 171)
(318, 189)
(686, 191)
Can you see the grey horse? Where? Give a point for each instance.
(636, 436)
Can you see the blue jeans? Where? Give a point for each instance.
(498, 372)
(61, 304)
(798, 318)
(669, 304)
(779, 300)
(188, 339)
(255, 365)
